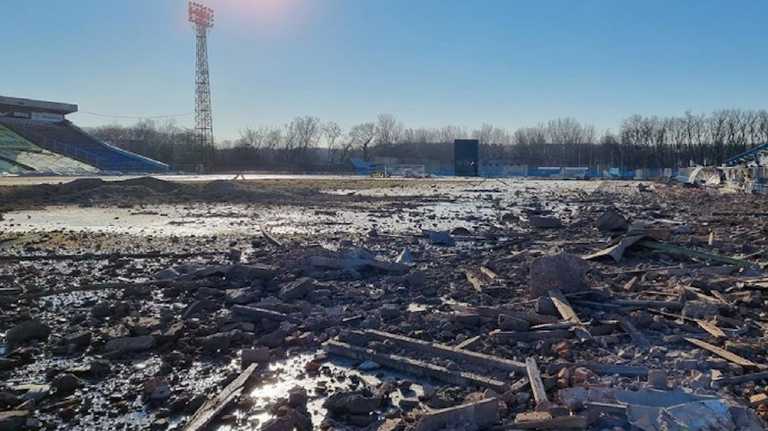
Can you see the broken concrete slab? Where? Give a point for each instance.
(413, 366)
(354, 403)
(26, 331)
(471, 416)
(562, 271)
(129, 344)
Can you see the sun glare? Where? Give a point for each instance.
(270, 15)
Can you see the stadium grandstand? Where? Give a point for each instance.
(37, 139)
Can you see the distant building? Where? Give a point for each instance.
(466, 157)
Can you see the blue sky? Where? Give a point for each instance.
(428, 62)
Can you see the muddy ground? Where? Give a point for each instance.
(134, 304)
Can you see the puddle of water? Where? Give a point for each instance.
(291, 372)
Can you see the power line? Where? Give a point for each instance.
(137, 117)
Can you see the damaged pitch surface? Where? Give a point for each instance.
(291, 206)
(145, 328)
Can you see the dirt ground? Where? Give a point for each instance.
(282, 303)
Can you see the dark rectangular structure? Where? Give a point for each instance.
(466, 157)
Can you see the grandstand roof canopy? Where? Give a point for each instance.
(29, 105)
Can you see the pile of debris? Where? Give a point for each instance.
(619, 318)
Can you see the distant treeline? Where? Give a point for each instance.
(308, 143)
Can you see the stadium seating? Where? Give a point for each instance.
(66, 139)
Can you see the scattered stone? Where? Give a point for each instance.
(242, 296)
(352, 403)
(612, 221)
(156, 390)
(78, 341)
(66, 384)
(130, 344)
(26, 331)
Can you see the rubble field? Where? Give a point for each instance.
(382, 304)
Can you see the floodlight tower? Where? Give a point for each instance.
(202, 19)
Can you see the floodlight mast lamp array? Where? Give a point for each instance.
(202, 19)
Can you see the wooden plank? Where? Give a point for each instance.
(414, 366)
(672, 305)
(444, 350)
(732, 357)
(682, 251)
(519, 385)
(545, 421)
(735, 380)
(270, 239)
(602, 369)
(711, 328)
(628, 286)
(703, 296)
(482, 414)
(474, 280)
(566, 311)
(563, 306)
(537, 386)
(488, 272)
(758, 399)
(469, 343)
(654, 269)
(213, 407)
(494, 312)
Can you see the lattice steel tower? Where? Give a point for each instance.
(202, 19)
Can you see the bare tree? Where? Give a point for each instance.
(388, 130)
(448, 134)
(361, 136)
(302, 134)
(332, 131)
(252, 138)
